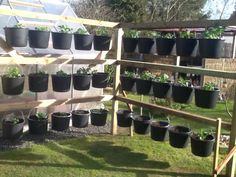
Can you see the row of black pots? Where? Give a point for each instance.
(39, 83)
(208, 48)
(17, 37)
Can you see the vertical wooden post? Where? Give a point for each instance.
(119, 34)
(234, 46)
(141, 108)
(217, 146)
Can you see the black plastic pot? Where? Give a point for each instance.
(16, 37)
(202, 148)
(179, 136)
(61, 83)
(101, 43)
(100, 80)
(124, 118)
(185, 47)
(130, 44)
(36, 126)
(159, 131)
(210, 48)
(83, 41)
(182, 94)
(143, 86)
(60, 121)
(80, 118)
(38, 83)
(61, 40)
(142, 125)
(127, 83)
(164, 46)
(81, 81)
(98, 117)
(39, 39)
(162, 90)
(206, 98)
(12, 131)
(13, 86)
(145, 45)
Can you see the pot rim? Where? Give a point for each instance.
(103, 111)
(193, 136)
(74, 112)
(171, 129)
(5, 76)
(67, 116)
(153, 124)
(8, 123)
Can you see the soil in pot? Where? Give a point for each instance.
(37, 126)
(206, 98)
(81, 81)
(210, 48)
(39, 39)
(130, 44)
(12, 129)
(98, 117)
(159, 130)
(60, 121)
(182, 94)
(61, 40)
(101, 43)
(127, 83)
(162, 90)
(143, 86)
(164, 46)
(61, 83)
(83, 41)
(13, 86)
(145, 45)
(124, 118)
(16, 37)
(100, 80)
(179, 136)
(38, 82)
(80, 118)
(142, 125)
(185, 47)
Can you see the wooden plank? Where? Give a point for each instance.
(182, 114)
(22, 3)
(234, 46)
(36, 15)
(36, 23)
(183, 69)
(50, 102)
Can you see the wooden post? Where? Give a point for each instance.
(141, 108)
(234, 46)
(115, 103)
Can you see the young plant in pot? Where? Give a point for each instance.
(83, 40)
(61, 81)
(162, 87)
(127, 80)
(202, 143)
(207, 96)
(13, 81)
(144, 82)
(159, 130)
(62, 39)
(146, 41)
(39, 37)
(80, 118)
(165, 43)
(141, 124)
(82, 79)
(38, 82)
(130, 40)
(102, 39)
(185, 43)
(98, 117)
(182, 92)
(211, 44)
(16, 36)
(12, 127)
(100, 79)
(124, 118)
(38, 123)
(60, 120)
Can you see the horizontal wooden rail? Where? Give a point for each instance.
(174, 112)
(182, 69)
(23, 105)
(225, 161)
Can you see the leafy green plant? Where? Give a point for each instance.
(168, 36)
(187, 34)
(213, 32)
(129, 74)
(84, 71)
(81, 31)
(163, 78)
(13, 72)
(202, 135)
(149, 34)
(65, 29)
(61, 73)
(183, 82)
(19, 25)
(131, 33)
(40, 73)
(13, 120)
(41, 115)
(146, 75)
(102, 31)
(110, 69)
(41, 28)
(210, 86)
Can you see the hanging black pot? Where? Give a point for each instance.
(142, 125)
(182, 94)
(13, 86)
(210, 48)
(16, 37)
(38, 82)
(206, 98)
(39, 39)
(60, 121)
(124, 118)
(61, 83)
(80, 118)
(202, 148)
(101, 43)
(61, 40)
(12, 130)
(179, 136)
(164, 46)
(159, 131)
(37, 126)
(98, 117)
(143, 86)
(130, 44)
(81, 81)
(162, 90)
(83, 41)
(145, 45)
(100, 80)
(127, 83)
(185, 47)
